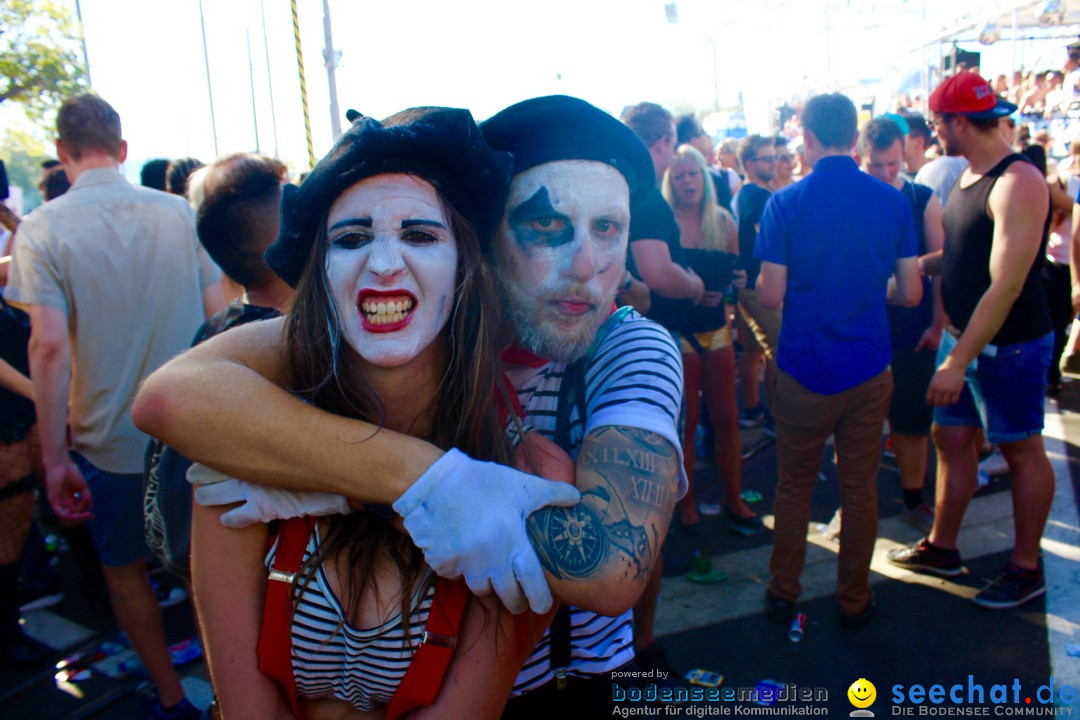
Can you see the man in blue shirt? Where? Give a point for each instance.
(830, 246)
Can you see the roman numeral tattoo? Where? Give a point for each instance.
(627, 479)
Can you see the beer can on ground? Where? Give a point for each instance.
(798, 628)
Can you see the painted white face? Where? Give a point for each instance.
(392, 267)
(687, 182)
(885, 164)
(561, 249)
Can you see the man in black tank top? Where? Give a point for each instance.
(994, 355)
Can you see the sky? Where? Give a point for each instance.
(146, 58)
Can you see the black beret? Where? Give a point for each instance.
(559, 127)
(441, 145)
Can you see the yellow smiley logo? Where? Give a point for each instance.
(862, 693)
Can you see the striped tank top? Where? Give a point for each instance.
(333, 659)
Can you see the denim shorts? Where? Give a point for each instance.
(117, 525)
(1005, 392)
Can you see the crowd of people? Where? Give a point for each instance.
(453, 381)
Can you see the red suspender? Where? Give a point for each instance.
(424, 677)
(275, 636)
(428, 667)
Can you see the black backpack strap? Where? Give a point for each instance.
(571, 393)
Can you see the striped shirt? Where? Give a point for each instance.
(332, 659)
(634, 380)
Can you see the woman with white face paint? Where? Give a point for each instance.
(709, 238)
(393, 323)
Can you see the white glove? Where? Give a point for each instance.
(468, 518)
(261, 504)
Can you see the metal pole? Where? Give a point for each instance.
(209, 88)
(269, 76)
(251, 81)
(331, 65)
(82, 39)
(828, 45)
(715, 76)
(303, 85)
(1016, 32)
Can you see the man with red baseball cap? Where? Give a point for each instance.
(993, 358)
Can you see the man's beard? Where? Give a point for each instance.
(526, 314)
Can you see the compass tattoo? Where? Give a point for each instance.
(627, 479)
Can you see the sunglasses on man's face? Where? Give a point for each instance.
(765, 158)
(783, 158)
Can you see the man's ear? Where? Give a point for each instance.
(122, 155)
(61, 152)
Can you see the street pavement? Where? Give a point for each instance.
(927, 631)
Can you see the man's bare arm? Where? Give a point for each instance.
(1019, 204)
(772, 284)
(662, 274)
(599, 554)
(905, 286)
(221, 404)
(50, 368)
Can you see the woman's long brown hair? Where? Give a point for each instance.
(323, 370)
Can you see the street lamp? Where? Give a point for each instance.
(671, 12)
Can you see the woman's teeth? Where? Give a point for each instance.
(387, 310)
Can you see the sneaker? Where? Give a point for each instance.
(995, 464)
(43, 597)
(708, 509)
(982, 481)
(152, 710)
(751, 417)
(168, 597)
(926, 557)
(920, 517)
(777, 610)
(1012, 588)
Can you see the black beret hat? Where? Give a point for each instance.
(441, 145)
(559, 127)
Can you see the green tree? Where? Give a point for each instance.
(39, 61)
(22, 152)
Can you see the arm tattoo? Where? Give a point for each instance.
(627, 478)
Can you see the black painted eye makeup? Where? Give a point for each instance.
(350, 240)
(535, 222)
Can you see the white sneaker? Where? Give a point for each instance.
(709, 509)
(995, 464)
(169, 597)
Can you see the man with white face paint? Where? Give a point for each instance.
(601, 385)
(606, 387)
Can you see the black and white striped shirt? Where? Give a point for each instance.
(633, 380)
(332, 659)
